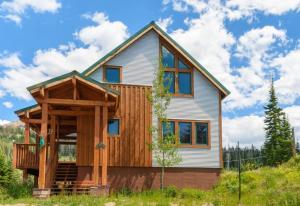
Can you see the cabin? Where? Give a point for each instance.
(105, 114)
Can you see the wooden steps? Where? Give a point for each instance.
(65, 181)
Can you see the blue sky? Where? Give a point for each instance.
(242, 43)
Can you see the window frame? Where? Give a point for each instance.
(113, 67)
(193, 142)
(114, 118)
(177, 70)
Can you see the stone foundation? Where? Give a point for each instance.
(100, 191)
(41, 193)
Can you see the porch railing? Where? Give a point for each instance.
(25, 156)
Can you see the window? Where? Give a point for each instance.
(112, 74)
(184, 83)
(168, 128)
(201, 133)
(168, 59)
(185, 132)
(189, 133)
(178, 74)
(113, 127)
(169, 81)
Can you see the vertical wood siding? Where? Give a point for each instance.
(85, 140)
(139, 62)
(130, 148)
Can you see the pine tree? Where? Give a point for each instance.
(278, 146)
(286, 139)
(6, 172)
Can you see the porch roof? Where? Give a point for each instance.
(54, 82)
(59, 79)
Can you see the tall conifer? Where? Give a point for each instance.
(278, 143)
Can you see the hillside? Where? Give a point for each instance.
(264, 186)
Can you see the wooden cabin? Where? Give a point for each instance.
(105, 114)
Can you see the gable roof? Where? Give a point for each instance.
(153, 26)
(69, 75)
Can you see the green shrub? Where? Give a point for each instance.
(191, 193)
(19, 190)
(125, 191)
(171, 191)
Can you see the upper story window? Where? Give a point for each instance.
(112, 74)
(113, 128)
(178, 74)
(189, 133)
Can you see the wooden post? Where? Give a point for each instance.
(52, 147)
(14, 155)
(105, 149)
(27, 133)
(42, 159)
(26, 141)
(96, 150)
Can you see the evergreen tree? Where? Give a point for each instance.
(278, 145)
(298, 148)
(6, 171)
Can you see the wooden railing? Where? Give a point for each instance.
(25, 156)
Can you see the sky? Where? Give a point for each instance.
(242, 43)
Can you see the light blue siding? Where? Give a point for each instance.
(139, 62)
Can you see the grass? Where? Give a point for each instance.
(264, 186)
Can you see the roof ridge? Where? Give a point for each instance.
(153, 23)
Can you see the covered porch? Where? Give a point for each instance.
(66, 105)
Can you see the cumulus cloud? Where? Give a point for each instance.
(240, 8)
(15, 9)
(165, 23)
(4, 122)
(8, 104)
(247, 130)
(288, 84)
(1, 93)
(105, 34)
(214, 46)
(56, 61)
(294, 118)
(251, 82)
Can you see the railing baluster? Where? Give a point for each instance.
(26, 156)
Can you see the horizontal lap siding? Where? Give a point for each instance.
(204, 106)
(139, 61)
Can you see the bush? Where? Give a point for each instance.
(125, 191)
(6, 171)
(191, 193)
(19, 190)
(171, 191)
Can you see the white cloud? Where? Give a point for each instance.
(1, 93)
(241, 8)
(52, 62)
(251, 82)
(210, 42)
(4, 122)
(207, 39)
(15, 9)
(105, 34)
(294, 118)
(8, 104)
(247, 130)
(165, 23)
(288, 84)
(10, 60)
